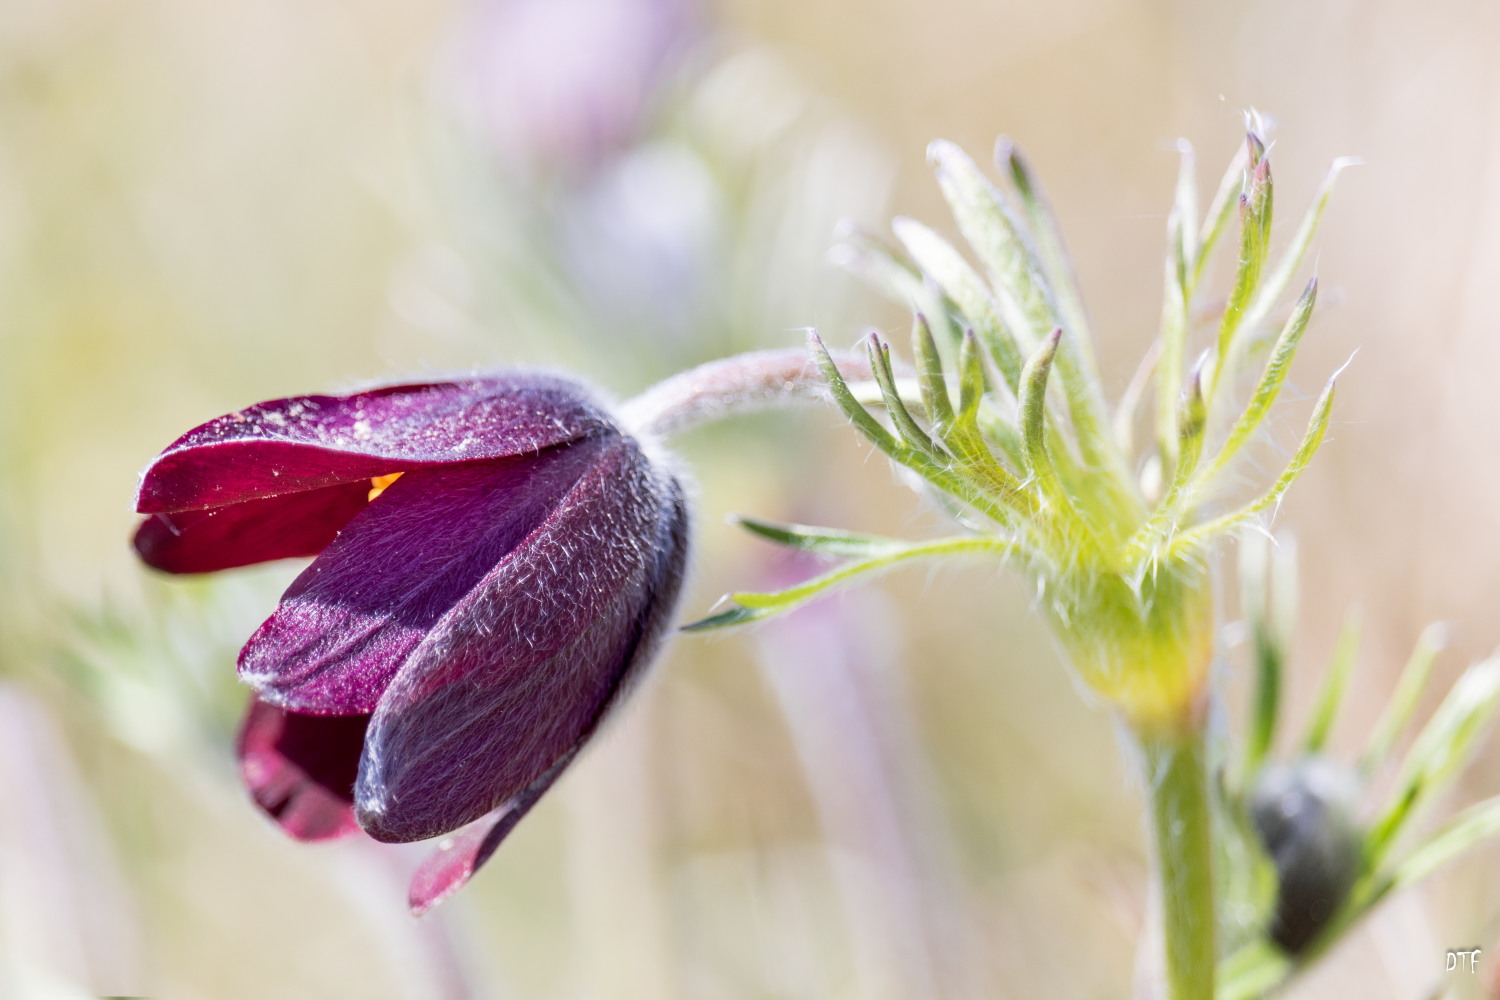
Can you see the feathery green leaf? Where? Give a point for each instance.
(1317, 427)
(932, 381)
(961, 283)
(1269, 386)
(1255, 232)
(753, 606)
(1439, 751)
(1291, 259)
(1335, 684)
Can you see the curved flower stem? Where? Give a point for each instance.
(1182, 860)
(759, 380)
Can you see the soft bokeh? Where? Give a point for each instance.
(202, 205)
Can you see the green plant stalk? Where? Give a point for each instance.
(1182, 862)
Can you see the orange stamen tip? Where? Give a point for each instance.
(381, 483)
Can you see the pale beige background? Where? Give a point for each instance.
(203, 205)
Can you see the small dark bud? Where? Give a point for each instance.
(1304, 814)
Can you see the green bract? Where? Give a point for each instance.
(1003, 411)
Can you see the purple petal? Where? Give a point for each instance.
(300, 768)
(517, 676)
(282, 527)
(345, 625)
(309, 442)
(458, 857)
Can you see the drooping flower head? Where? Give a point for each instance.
(495, 561)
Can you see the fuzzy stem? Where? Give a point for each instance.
(1182, 860)
(760, 380)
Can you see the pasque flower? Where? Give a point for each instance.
(495, 561)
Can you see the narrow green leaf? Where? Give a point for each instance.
(853, 409)
(1317, 427)
(1056, 264)
(726, 619)
(970, 380)
(1192, 418)
(822, 541)
(1255, 226)
(1335, 684)
(911, 432)
(976, 419)
(1269, 652)
(1443, 746)
(1269, 386)
(1403, 704)
(1034, 435)
(1049, 293)
(1253, 971)
(933, 383)
(1464, 832)
(1001, 507)
(1032, 407)
(962, 437)
(869, 394)
(1260, 176)
(1025, 304)
(995, 235)
(757, 606)
(1291, 259)
(967, 289)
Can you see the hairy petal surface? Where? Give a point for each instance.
(300, 769)
(404, 563)
(310, 442)
(518, 675)
(458, 857)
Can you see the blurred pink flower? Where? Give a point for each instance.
(561, 84)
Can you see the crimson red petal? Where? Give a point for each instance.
(457, 858)
(300, 769)
(296, 525)
(310, 442)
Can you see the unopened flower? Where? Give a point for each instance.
(496, 560)
(1312, 843)
(1304, 813)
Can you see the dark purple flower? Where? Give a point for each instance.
(495, 562)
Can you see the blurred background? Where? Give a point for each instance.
(897, 793)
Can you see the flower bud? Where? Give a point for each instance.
(1304, 814)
